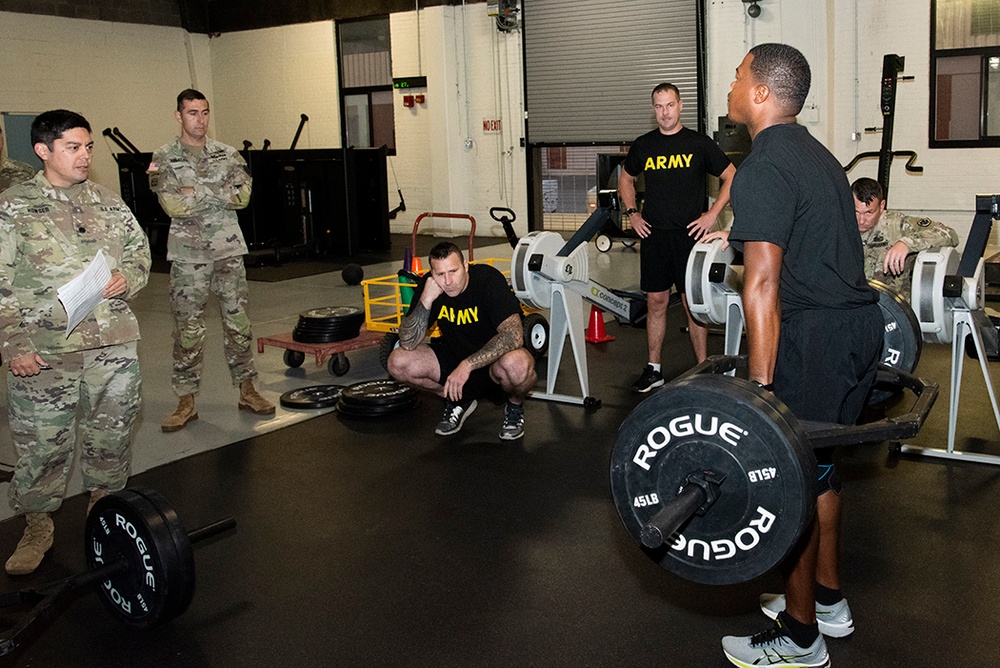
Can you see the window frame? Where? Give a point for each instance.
(367, 91)
(984, 53)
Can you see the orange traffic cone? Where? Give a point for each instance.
(595, 330)
(418, 268)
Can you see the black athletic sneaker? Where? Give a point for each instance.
(513, 422)
(649, 379)
(454, 417)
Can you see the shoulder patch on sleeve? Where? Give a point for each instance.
(153, 168)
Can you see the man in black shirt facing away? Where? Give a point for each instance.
(814, 328)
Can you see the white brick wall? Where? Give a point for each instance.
(116, 74)
(858, 33)
(260, 81)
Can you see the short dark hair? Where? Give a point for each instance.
(189, 94)
(665, 86)
(444, 249)
(785, 71)
(867, 190)
(50, 126)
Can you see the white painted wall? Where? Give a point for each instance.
(116, 74)
(260, 81)
(264, 80)
(844, 41)
(445, 162)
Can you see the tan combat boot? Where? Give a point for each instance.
(186, 412)
(35, 542)
(95, 496)
(250, 400)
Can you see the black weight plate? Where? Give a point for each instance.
(158, 580)
(377, 392)
(739, 431)
(300, 337)
(374, 411)
(329, 326)
(361, 407)
(184, 591)
(902, 341)
(314, 396)
(379, 400)
(331, 313)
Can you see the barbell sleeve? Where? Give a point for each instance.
(672, 516)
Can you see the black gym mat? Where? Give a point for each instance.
(376, 543)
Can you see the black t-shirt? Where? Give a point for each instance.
(790, 191)
(675, 167)
(469, 320)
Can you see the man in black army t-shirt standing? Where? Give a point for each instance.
(675, 161)
(480, 350)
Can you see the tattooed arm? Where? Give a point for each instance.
(509, 337)
(414, 326)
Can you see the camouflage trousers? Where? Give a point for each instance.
(92, 397)
(190, 285)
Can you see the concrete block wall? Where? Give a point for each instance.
(116, 74)
(847, 75)
(265, 79)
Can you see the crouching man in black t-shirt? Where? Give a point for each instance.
(479, 352)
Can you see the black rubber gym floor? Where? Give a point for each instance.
(376, 543)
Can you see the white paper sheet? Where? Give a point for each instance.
(82, 294)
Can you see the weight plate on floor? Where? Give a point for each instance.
(377, 393)
(374, 411)
(902, 341)
(332, 313)
(747, 437)
(315, 396)
(157, 582)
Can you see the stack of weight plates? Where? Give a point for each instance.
(329, 324)
(375, 398)
(314, 396)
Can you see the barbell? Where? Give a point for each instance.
(138, 556)
(714, 477)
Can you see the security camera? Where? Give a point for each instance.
(753, 11)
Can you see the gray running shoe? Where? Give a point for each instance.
(513, 422)
(774, 648)
(834, 620)
(454, 417)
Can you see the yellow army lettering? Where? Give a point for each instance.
(676, 161)
(464, 317)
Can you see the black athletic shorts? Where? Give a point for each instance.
(826, 365)
(480, 384)
(663, 257)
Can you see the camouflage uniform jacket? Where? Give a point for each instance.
(203, 225)
(13, 172)
(42, 247)
(918, 233)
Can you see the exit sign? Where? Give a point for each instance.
(491, 125)
(409, 82)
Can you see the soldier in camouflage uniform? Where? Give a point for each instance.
(892, 240)
(61, 385)
(12, 171)
(201, 183)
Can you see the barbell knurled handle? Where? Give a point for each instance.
(672, 516)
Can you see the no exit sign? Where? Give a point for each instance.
(491, 125)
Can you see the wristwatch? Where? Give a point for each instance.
(631, 210)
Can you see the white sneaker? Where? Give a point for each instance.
(834, 620)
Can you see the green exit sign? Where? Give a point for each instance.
(409, 82)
